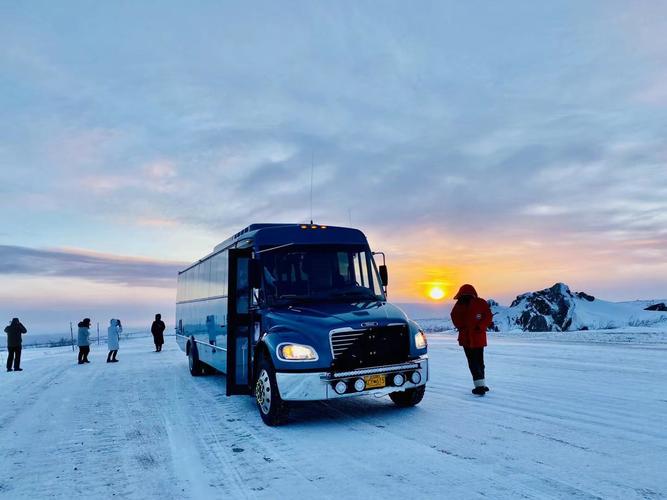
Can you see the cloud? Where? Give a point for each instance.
(92, 266)
(546, 210)
(438, 130)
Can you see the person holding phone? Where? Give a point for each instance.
(113, 339)
(15, 331)
(83, 340)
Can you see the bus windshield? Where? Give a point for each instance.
(321, 273)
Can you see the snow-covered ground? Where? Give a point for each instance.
(581, 419)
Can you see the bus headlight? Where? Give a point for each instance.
(420, 340)
(296, 352)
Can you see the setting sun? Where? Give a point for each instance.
(436, 293)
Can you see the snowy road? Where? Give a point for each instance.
(562, 420)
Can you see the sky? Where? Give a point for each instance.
(511, 145)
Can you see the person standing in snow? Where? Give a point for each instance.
(157, 329)
(83, 340)
(14, 332)
(472, 315)
(113, 339)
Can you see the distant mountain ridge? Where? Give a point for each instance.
(559, 309)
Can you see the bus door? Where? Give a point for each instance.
(239, 320)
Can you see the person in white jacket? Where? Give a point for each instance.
(113, 338)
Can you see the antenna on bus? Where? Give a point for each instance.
(312, 167)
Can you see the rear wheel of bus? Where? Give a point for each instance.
(272, 408)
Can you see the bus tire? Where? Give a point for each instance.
(208, 369)
(194, 364)
(408, 397)
(272, 408)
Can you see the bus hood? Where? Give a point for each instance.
(310, 324)
(320, 319)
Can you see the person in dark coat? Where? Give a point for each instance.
(157, 329)
(83, 340)
(14, 332)
(472, 315)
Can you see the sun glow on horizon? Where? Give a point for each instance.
(436, 293)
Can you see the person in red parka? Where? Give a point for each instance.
(471, 316)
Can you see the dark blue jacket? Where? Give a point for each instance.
(14, 331)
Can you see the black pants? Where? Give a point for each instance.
(83, 353)
(475, 362)
(112, 355)
(14, 357)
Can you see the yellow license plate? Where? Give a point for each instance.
(374, 381)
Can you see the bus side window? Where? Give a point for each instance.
(358, 276)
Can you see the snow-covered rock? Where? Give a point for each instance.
(559, 309)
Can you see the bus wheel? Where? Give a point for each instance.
(194, 363)
(408, 397)
(208, 369)
(272, 408)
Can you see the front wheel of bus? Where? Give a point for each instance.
(408, 397)
(193, 363)
(272, 408)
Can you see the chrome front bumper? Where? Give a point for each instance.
(318, 386)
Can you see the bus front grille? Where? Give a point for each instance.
(374, 346)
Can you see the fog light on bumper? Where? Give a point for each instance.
(415, 378)
(398, 380)
(359, 385)
(340, 387)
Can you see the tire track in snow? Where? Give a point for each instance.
(237, 419)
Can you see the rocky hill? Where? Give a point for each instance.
(559, 309)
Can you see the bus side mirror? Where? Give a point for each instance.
(254, 273)
(384, 276)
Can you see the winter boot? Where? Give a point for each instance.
(479, 387)
(486, 389)
(9, 370)
(18, 369)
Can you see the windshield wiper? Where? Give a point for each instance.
(356, 293)
(291, 297)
